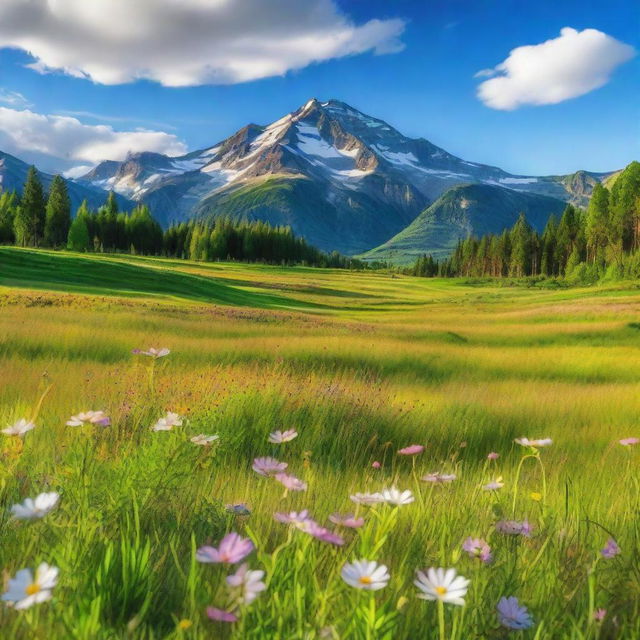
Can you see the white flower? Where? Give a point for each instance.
(440, 584)
(153, 353)
(494, 485)
(367, 498)
(24, 591)
(19, 428)
(168, 422)
(366, 574)
(33, 509)
(204, 440)
(525, 442)
(439, 478)
(89, 417)
(278, 437)
(394, 496)
(246, 583)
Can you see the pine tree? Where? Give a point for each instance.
(597, 223)
(78, 238)
(30, 217)
(520, 263)
(58, 214)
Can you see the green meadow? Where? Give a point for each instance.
(360, 364)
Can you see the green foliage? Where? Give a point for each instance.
(58, 214)
(30, 216)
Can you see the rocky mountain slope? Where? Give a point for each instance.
(343, 179)
(13, 174)
(461, 211)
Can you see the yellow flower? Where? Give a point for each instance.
(184, 624)
(536, 496)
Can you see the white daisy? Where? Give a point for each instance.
(204, 440)
(278, 437)
(153, 353)
(525, 442)
(439, 478)
(367, 498)
(366, 574)
(33, 509)
(89, 417)
(24, 591)
(396, 497)
(19, 428)
(494, 485)
(246, 584)
(442, 584)
(168, 422)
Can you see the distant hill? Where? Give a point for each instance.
(13, 174)
(470, 209)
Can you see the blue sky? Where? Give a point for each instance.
(426, 89)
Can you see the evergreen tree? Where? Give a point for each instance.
(520, 263)
(30, 217)
(8, 209)
(58, 214)
(78, 238)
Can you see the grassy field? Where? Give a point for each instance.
(361, 365)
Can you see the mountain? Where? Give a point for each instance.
(13, 175)
(343, 179)
(461, 211)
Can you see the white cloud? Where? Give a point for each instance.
(187, 42)
(565, 67)
(70, 141)
(13, 98)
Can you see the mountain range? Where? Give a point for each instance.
(344, 180)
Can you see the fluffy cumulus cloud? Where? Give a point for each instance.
(565, 67)
(72, 142)
(187, 42)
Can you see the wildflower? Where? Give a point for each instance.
(203, 440)
(515, 528)
(247, 582)
(512, 615)
(494, 485)
(152, 353)
(89, 417)
(599, 615)
(291, 483)
(478, 548)
(19, 428)
(440, 584)
(348, 520)
(24, 591)
(439, 478)
(366, 574)
(278, 437)
(611, 549)
(232, 548)
(375, 464)
(239, 509)
(168, 422)
(411, 450)
(396, 497)
(627, 442)
(321, 533)
(525, 442)
(184, 624)
(295, 518)
(220, 615)
(493, 456)
(367, 498)
(34, 509)
(535, 496)
(268, 466)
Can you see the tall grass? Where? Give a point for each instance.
(361, 365)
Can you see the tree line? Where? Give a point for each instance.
(583, 245)
(36, 219)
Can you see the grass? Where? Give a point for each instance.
(360, 364)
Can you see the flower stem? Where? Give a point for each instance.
(443, 635)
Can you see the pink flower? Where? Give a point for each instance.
(295, 518)
(514, 528)
(291, 483)
(220, 615)
(348, 520)
(89, 417)
(321, 533)
(478, 548)
(439, 478)
(232, 548)
(411, 450)
(367, 498)
(246, 584)
(268, 466)
(493, 456)
(375, 464)
(611, 549)
(278, 437)
(627, 442)
(599, 615)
